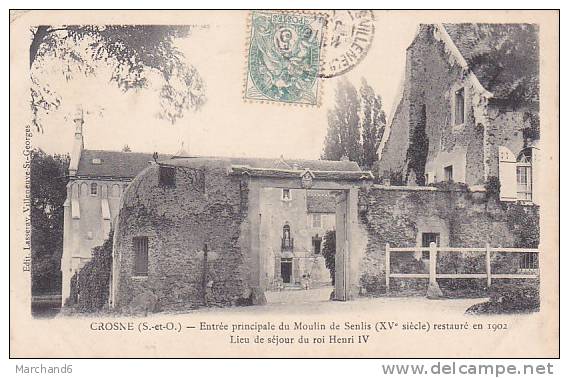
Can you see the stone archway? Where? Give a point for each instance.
(345, 185)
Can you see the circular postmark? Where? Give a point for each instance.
(349, 37)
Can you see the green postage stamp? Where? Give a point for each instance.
(284, 57)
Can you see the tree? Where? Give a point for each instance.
(135, 54)
(343, 138)
(329, 253)
(355, 125)
(373, 124)
(48, 191)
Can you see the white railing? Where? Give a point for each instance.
(529, 263)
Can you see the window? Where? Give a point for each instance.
(459, 107)
(524, 175)
(317, 220)
(96, 161)
(286, 195)
(140, 256)
(448, 173)
(316, 244)
(167, 176)
(427, 239)
(287, 243)
(94, 189)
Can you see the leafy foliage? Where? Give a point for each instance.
(418, 149)
(48, 192)
(90, 285)
(524, 225)
(510, 298)
(329, 253)
(355, 125)
(373, 122)
(134, 53)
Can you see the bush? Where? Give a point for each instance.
(90, 285)
(509, 298)
(329, 253)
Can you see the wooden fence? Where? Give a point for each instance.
(529, 263)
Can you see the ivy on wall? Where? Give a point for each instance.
(418, 149)
(90, 285)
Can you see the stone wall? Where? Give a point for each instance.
(178, 222)
(505, 129)
(432, 77)
(399, 215)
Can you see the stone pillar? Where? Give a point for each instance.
(434, 291)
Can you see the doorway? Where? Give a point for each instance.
(286, 270)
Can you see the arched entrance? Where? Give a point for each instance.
(345, 188)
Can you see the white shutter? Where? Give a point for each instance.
(535, 174)
(507, 173)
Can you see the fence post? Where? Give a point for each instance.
(387, 266)
(488, 266)
(432, 263)
(433, 291)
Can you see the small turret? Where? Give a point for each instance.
(78, 143)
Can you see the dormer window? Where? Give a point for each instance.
(96, 161)
(458, 107)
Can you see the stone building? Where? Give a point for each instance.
(194, 231)
(293, 226)
(468, 109)
(97, 180)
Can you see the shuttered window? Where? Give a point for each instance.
(140, 256)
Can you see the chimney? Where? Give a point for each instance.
(78, 141)
(79, 121)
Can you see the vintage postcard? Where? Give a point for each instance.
(284, 183)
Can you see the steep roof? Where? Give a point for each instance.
(319, 203)
(504, 57)
(116, 164)
(113, 164)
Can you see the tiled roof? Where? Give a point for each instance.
(268, 163)
(318, 203)
(504, 57)
(116, 164)
(113, 164)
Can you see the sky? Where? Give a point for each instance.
(225, 125)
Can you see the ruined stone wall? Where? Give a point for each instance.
(464, 219)
(432, 78)
(505, 129)
(178, 222)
